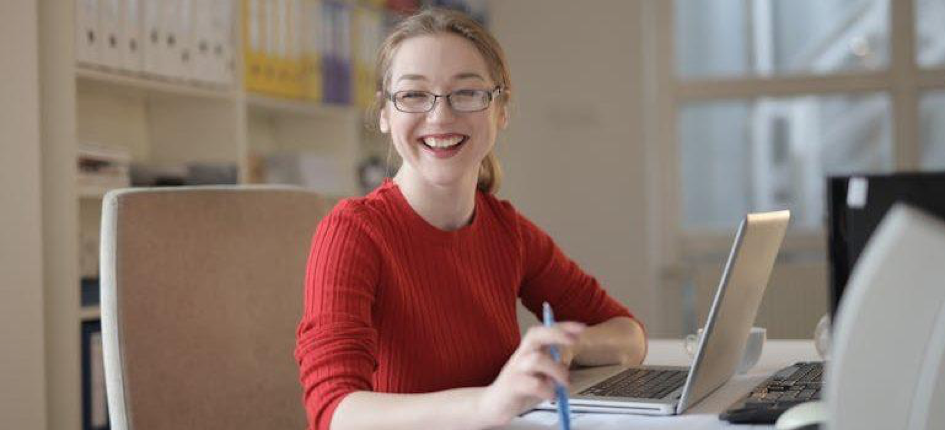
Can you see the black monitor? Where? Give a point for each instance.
(856, 205)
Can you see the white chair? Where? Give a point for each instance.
(201, 296)
(888, 358)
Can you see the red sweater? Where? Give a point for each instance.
(395, 305)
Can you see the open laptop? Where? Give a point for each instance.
(669, 390)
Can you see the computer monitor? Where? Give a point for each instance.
(855, 206)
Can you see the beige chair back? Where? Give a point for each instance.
(201, 295)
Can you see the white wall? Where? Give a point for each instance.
(22, 376)
(574, 151)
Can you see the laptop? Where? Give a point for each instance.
(670, 390)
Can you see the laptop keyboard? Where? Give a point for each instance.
(639, 383)
(790, 386)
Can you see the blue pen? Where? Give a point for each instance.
(564, 408)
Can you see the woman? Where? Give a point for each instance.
(410, 295)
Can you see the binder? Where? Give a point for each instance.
(345, 65)
(337, 59)
(130, 36)
(94, 400)
(153, 42)
(222, 17)
(312, 47)
(87, 37)
(329, 69)
(270, 51)
(169, 48)
(404, 7)
(109, 21)
(201, 53)
(254, 45)
(367, 40)
(183, 54)
(279, 56)
(292, 64)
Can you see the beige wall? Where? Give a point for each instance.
(22, 393)
(573, 154)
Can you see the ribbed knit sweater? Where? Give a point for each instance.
(396, 305)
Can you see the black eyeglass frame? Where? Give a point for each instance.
(491, 93)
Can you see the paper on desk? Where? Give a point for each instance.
(548, 420)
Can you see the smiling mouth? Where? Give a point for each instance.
(444, 144)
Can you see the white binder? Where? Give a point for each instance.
(131, 35)
(87, 37)
(110, 20)
(223, 45)
(169, 47)
(151, 14)
(200, 41)
(183, 56)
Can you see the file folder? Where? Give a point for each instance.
(201, 44)
(130, 36)
(367, 35)
(337, 59)
(94, 402)
(110, 18)
(292, 64)
(153, 42)
(312, 48)
(87, 37)
(223, 42)
(254, 44)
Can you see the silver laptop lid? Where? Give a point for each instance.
(736, 304)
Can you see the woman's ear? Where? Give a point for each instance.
(503, 117)
(383, 119)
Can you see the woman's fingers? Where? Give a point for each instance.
(542, 365)
(540, 337)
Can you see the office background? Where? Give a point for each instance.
(641, 131)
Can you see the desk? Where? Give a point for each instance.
(703, 415)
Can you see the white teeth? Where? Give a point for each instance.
(436, 142)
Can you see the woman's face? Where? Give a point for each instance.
(443, 146)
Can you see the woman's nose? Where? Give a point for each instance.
(441, 112)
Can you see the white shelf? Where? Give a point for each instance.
(90, 313)
(152, 85)
(263, 104)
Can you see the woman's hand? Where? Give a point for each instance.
(529, 375)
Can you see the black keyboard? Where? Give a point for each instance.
(792, 385)
(639, 383)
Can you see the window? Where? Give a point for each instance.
(768, 97)
(730, 38)
(930, 32)
(932, 114)
(756, 102)
(773, 153)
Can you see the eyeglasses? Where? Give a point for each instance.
(415, 101)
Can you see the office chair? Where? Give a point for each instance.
(888, 366)
(201, 296)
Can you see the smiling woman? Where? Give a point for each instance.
(411, 291)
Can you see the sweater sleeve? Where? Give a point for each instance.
(336, 340)
(551, 276)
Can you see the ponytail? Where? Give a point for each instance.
(490, 174)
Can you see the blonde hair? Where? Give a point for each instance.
(434, 21)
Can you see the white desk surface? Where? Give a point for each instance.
(703, 415)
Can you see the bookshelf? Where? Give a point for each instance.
(167, 124)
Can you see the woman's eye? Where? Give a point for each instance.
(413, 95)
(466, 93)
